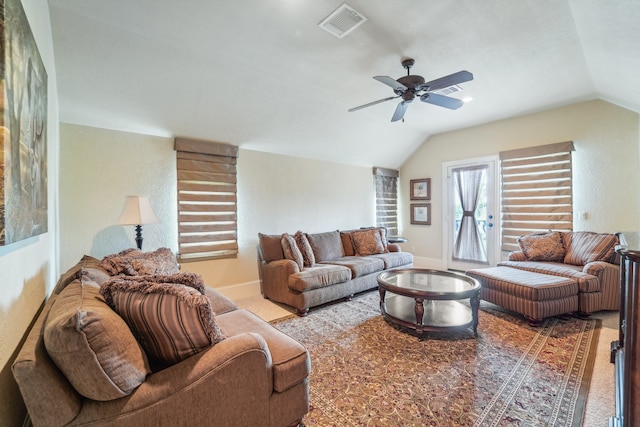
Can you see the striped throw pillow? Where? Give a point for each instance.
(170, 321)
(583, 247)
(291, 250)
(309, 260)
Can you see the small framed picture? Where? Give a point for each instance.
(421, 214)
(420, 189)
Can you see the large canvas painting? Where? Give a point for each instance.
(23, 130)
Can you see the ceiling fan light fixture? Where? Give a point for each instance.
(342, 21)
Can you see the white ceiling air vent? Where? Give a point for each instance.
(342, 21)
(448, 90)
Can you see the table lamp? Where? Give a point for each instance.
(137, 211)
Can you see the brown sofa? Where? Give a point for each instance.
(255, 376)
(555, 273)
(309, 269)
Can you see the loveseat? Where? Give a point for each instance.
(82, 365)
(555, 273)
(305, 270)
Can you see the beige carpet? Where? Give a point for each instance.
(601, 396)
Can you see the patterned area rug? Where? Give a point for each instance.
(366, 372)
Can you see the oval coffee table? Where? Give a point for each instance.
(429, 300)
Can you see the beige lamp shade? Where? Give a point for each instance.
(137, 211)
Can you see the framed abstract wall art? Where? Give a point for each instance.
(23, 129)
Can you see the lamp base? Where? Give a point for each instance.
(139, 236)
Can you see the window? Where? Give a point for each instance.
(386, 185)
(536, 191)
(207, 202)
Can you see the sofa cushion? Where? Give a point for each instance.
(318, 276)
(587, 283)
(584, 247)
(395, 259)
(359, 265)
(98, 275)
(171, 321)
(271, 247)
(543, 246)
(291, 250)
(326, 246)
(305, 249)
(133, 262)
(525, 284)
(220, 303)
(93, 346)
(368, 242)
(74, 272)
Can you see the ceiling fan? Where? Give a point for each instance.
(409, 87)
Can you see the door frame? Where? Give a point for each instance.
(496, 254)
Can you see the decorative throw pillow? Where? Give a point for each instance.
(75, 272)
(367, 242)
(383, 236)
(93, 346)
(584, 247)
(98, 275)
(291, 251)
(132, 262)
(171, 321)
(185, 278)
(543, 246)
(309, 260)
(347, 244)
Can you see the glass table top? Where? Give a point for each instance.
(428, 281)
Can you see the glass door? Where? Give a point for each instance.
(470, 218)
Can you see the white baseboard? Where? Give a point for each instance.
(433, 263)
(241, 290)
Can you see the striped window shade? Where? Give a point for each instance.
(536, 191)
(386, 187)
(207, 201)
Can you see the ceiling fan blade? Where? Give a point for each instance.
(391, 82)
(446, 81)
(442, 101)
(372, 103)
(400, 110)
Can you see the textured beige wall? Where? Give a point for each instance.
(276, 193)
(606, 165)
(29, 268)
(99, 168)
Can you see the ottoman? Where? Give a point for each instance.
(534, 295)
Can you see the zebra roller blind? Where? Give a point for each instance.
(207, 202)
(386, 186)
(536, 191)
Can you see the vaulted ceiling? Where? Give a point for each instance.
(263, 75)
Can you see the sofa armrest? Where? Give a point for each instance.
(275, 275)
(517, 256)
(609, 277)
(394, 247)
(229, 384)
